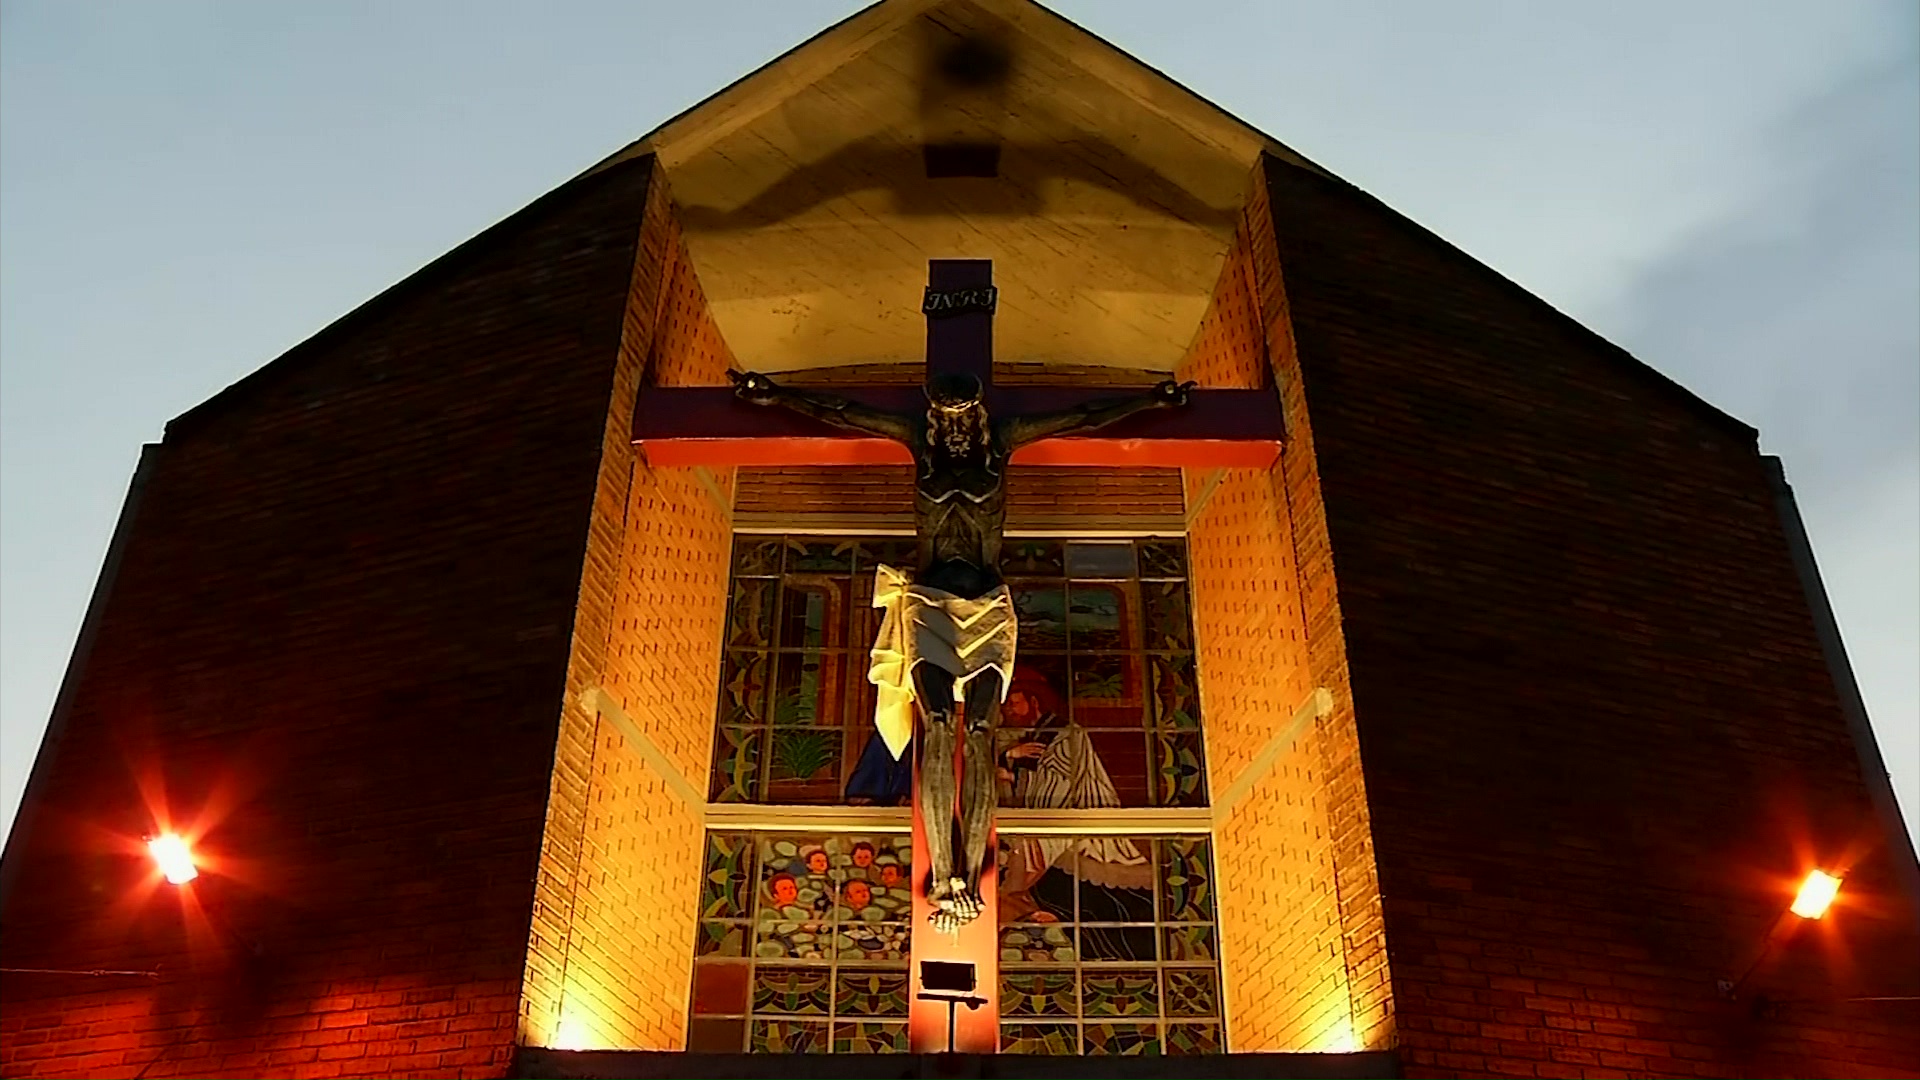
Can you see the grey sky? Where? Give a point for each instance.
(1729, 189)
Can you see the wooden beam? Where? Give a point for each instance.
(708, 425)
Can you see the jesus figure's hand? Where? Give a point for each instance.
(1169, 393)
(753, 387)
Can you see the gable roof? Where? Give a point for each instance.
(805, 197)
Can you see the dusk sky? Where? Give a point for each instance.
(1730, 190)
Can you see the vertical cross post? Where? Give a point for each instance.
(959, 307)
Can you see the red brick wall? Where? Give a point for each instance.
(338, 645)
(613, 932)
(1601, 746)
(1298, 906)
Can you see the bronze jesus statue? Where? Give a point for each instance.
(947, 639)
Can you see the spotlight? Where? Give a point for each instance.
(173, 857)
(1816, 893)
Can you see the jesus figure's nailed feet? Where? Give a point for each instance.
(956, 904)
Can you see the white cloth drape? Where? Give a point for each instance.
(960, 636)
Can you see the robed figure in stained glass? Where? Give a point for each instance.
(947, 639)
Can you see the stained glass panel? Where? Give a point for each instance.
(1102, 616)
(1193, 1039)
(1192, 992)
(1039, 1039)
(1176, 700)
(1099, 559)
(743, 687)
(750, 620)
(1042, 609)
(788, 1037)
(725, 890)
(1032, 558)
(1131, 1039)
(1162, 558)
(868, 1038)
(823, 951)
(736, 764)
(1186, 880)
(1169, 624)
(1044, 993)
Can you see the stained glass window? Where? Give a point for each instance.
(1107, 946)
(1105, 675)
(802, 946)
(1108, 943)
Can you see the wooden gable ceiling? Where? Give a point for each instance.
(809, 212)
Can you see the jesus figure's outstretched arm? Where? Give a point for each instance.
(1018, 431)
(756, 388)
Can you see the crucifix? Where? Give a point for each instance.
(946, 647)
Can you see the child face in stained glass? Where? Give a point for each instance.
(783, 889)
(863, 854)
(817, 861)
(889, 874)
(858, 894)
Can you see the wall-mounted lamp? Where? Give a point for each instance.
(173, 857)
(1816, 894)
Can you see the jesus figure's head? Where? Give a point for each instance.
(956, 415)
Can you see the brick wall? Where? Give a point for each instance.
(1299, 924)
(336, 649)
(608, 964)
(1601, 745)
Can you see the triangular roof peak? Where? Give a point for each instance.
(813, 191)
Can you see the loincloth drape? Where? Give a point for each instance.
(923, 625)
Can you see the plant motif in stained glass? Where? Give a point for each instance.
(819, 555)
(736, 764)
(1163, 558)
(869, 1038)
(1120, 992)
(1107, 690)
(788, 1037)
(725, 892)
(860, 992)
(1129, 1039)
(1186, 880)
(804, 753)
(1038, 993)
(1169, 626)
(797, 990)
(751, 620)
(1054, 1039)
(1176, 705)
(722, 939)
(1193, 1038)
(756, 556)
(1192, 992)
(1032, 558)
(743, 688)
(1188, 943)
(1180, 776)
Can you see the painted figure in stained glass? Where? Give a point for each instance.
(946, 642)
(1052, 765)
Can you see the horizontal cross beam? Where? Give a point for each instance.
(708, 425)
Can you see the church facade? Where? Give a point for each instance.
(1480, 714)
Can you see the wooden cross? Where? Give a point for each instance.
(710, 426)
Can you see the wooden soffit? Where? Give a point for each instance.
(804, 193)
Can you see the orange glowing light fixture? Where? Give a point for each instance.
(174, 858)
(1816, 893)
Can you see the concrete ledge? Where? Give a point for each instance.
(535, 1063)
